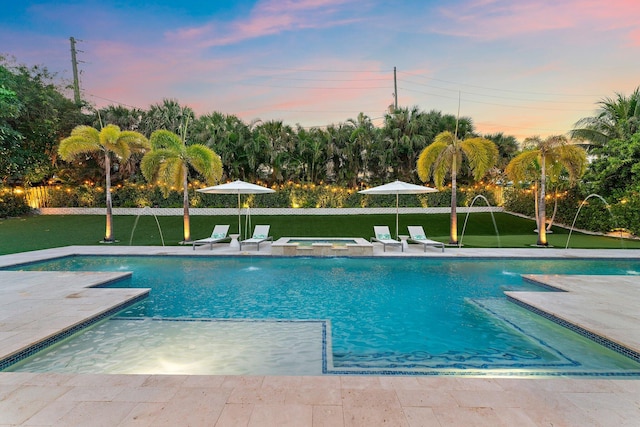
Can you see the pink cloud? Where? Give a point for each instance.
(491, 19)
(635, 37)
(268, 18)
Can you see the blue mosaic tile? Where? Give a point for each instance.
(628, 352)
(36, 347)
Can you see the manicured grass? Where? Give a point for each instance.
(41, 232)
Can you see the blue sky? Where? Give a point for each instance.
(527, 67)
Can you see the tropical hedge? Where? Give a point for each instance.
(12, 204)
(288, 195)
(595, 215)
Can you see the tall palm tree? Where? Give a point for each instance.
(547, 159)
(168, 165)
(110, 141)
(313, 152)
(279, 140)
(363, 137)
(617, 118)
(123, 117)
(169, 115)
(445, 156)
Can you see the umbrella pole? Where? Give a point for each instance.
(239, 223)
(397, 228)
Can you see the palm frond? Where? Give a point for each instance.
(121, 149)
(86, 132)
(135, 140)
(83, 139)
(109, 137)
(164, 139)
(151, 162)
(205, 161)
(524, 167)
(427, 158)
(574, 160)
(443, 165)
(482, 155)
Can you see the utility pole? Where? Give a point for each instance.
(74, 65)
(395, 89)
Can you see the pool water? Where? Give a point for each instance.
(333, 315)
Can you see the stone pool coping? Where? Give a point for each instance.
(58, 399)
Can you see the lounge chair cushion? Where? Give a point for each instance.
(419, 237)
(259, 236)
(384, 236)
(218, 235)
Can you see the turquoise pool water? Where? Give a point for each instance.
(363, 315)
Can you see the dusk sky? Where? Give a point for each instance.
(524, 68)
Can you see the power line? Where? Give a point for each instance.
(501, 90)
(115, 102)
(493, 103)
(495, 96)
(317, 87)
(321, 71)
(323, 80)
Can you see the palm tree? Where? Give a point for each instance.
(363, 138)
(110, 141)
(126, 119)
(445, 156)
(549, 157)
(617, 118)
(169, 115)
(403, 132)
(313, 152)
(168, 165)
(279, 140)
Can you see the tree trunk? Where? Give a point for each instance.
(108, 235)
(535, 205)
(542, 214)
(555, 209)
(185, 204)
(453, 229)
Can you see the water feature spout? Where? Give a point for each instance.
(495, 226)
(146, 210)
(578, 213)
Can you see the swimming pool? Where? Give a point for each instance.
(333, 316)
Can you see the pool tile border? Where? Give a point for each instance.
(611, 345)
(65, 333)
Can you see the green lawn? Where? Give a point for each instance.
(41, 232)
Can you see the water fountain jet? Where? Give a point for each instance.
(147, 210)
(578, 213)
(495, 226)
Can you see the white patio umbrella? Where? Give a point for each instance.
(237, 187)
(397, 188)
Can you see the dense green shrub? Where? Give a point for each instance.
(594, 214)
(286, 196)
(627, 212)
(12, 204)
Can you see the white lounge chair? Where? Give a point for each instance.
(417, 235)
(382, 235)
(218, 234)
(260, 234)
